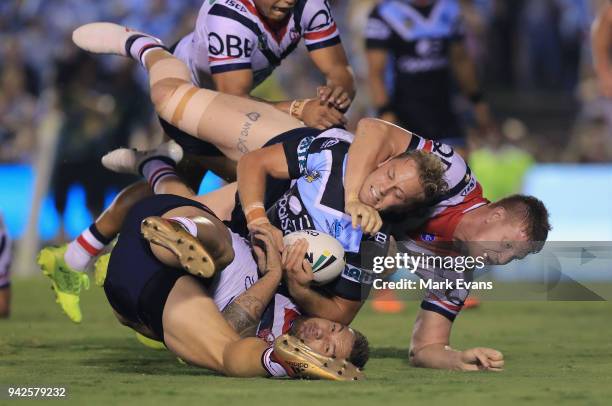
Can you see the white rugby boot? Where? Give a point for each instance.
(127, 160)
(107, 38)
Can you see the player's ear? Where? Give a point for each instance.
(498, 214)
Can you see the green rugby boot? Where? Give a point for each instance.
(66, 282)
(100, 269)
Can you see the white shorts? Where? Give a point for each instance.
(238, 276)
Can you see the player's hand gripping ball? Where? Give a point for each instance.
(325, 254)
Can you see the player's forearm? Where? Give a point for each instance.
(436, 356)
(316, 305)
(378, 92)
(251, 175)
(465, 71)
(370, 147)
(244, 313)
(342, 76)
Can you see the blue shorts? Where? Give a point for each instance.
(137, 284)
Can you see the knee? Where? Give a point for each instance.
(127, 198)
(162, 92)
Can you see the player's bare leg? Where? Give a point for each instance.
(65, 265)
(235, 125)
(5, 302)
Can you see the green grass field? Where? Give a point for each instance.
(557, 353)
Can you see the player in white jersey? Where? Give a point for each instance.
(236, 44)
(462, 222)
(5, 263)
(213, 324)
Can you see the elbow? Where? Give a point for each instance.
(369, 125)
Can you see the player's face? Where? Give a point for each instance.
(326, 337)
(393, 185)
(500, 240)
(275, 10)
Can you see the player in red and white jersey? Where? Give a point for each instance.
(5, 263)
(460, 222)
(237, 44)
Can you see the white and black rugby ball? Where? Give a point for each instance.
(324, 253)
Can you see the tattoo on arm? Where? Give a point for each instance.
(243, 314)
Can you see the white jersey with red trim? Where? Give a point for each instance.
(232, 35)
(446, 295)
(5, 256)
(239, 276)
(278, 317)
(464, 193)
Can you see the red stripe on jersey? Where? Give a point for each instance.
(447, 306)
(224, 58)
(88, 247)
(289, 317)
(428, 146)
(311, 36)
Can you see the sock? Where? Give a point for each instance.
(155, 169)
(188, 224)
(139, 45)
(86, 246)
(270, 364)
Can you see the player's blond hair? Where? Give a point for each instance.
(431, 173)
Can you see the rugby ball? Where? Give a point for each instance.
(325, 254)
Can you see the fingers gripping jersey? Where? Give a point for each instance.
(5, 256)
(232, 35)
(315, 201)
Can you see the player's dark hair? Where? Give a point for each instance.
(361, 350)
(534, 215)
(431, 173)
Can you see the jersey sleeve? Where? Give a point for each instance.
(377, 32)
(231, 39)
(318, 25)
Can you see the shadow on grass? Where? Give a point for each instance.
(388, 352)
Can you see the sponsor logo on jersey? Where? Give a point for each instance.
(302, 153)
(330, 143)
(232, 46)
(236, 5)
(428, 237)
(289, 221)
(357, 275)
(335, 228)
(294, 205)
(312, 176)
(294, 35)
(471, 186)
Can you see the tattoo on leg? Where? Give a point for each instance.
(243, 315)
(244, 133)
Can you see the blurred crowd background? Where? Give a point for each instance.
(533, 57)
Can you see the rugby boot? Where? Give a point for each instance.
(300, 361)
(127, 160)
(100, 269)
(65, 281)
(193, 257)
(107, 38)
(150, 343)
